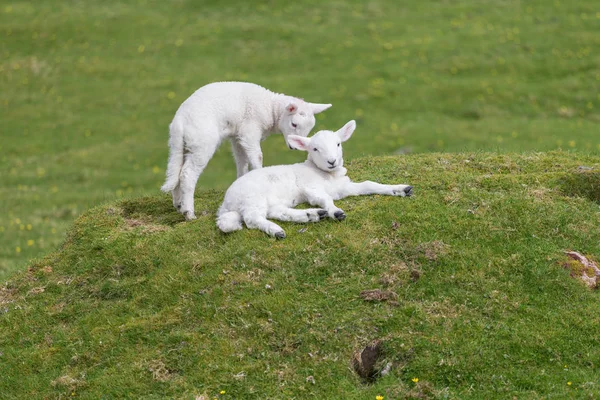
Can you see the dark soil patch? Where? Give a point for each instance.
(366, 362)
(378, 295)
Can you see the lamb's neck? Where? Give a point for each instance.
(278, 101)
(336, 173)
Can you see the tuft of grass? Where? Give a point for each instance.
(478, 303)
(89, 88)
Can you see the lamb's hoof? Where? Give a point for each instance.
(408, 191)
(189, 215)
(339, 215)
(322, 214)
(280, 235)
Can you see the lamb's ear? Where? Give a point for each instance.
(317, 108)
(291, 108)
(298, 142)
(347, 130)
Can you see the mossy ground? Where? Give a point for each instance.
(138, 303)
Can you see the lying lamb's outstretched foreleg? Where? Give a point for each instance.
(324, 200)
(369, 187)
(354, 189)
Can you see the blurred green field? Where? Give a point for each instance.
(88, 88)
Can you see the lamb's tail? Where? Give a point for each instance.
(175, 156)
(229, 221)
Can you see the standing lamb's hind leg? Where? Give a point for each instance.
(176, 193)
(241, 160)
(193, 165)
(258, 221)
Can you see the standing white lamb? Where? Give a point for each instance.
(272, 192)
(243, 112)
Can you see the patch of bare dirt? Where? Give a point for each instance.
(433, 250)
(159, 370)
(378, 295)
(583, 268)
(7, 296)
(143, 226)
(367, 362)
(36, 290)
(400, 273)
(67, 381)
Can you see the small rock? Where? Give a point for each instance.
(386, 370)
(310, 379)
(240, 376)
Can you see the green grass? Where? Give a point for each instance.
(89, 88)
(137, 303)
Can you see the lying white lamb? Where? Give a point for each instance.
(272, 192)
(243, 112)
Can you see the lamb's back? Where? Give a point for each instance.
(231, 101)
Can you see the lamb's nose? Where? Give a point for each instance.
(331, 162)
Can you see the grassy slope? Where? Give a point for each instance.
(89, 88)
(136, 302)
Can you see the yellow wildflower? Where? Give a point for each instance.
(378, 397)
(222, 392)
(415, 380)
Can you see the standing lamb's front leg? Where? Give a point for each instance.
(368, 187)
(249, 140)
(317, 197)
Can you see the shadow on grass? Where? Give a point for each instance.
(582, 184)
(155, 210)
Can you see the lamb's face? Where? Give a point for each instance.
(299, 118)
(325, 150)
(325, 147)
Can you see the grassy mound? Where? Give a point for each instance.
(460, 292)
(88, 88)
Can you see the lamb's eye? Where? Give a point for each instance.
(338, 145)
(294, 125)
(315, 149)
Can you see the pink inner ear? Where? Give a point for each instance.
(291, 108)
(297, 143)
